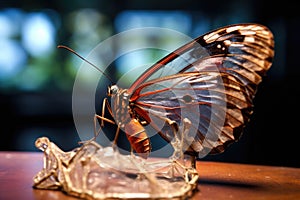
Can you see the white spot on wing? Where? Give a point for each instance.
(227, 42)
(234, 28)
(211, 37)
(249, 39)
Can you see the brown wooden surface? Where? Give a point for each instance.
(217, 180)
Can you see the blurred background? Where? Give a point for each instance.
(36, 78)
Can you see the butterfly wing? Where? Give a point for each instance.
(212, 83)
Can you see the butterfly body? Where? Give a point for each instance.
(125, 119)
(213, 86)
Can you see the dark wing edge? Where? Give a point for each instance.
(243, 53)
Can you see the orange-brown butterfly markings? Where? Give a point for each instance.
(129, 121)
(242, 53)
(122, 114)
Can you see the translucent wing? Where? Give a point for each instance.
(212, 82)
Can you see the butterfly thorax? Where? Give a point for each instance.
(120, 105)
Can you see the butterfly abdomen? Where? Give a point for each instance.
(138, 138)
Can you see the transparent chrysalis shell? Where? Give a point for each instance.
(95, 172)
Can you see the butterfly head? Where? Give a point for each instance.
(112, 90)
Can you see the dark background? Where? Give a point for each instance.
(271, 138)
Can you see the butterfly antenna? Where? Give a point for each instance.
(74, 52)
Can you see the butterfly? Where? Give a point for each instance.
(210, 82)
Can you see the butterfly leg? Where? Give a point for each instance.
(105, 104)
(116, 136)
(186, 143)
(179, 135)
(178, 142)
(96, 132)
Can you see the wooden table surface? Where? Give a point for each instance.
(217, 180)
